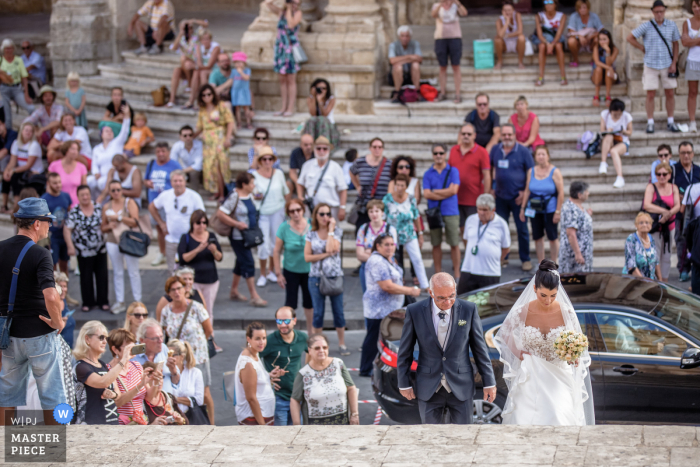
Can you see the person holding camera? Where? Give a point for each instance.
(320, 103)
(661, 52)
(322, 180)
(542, 201)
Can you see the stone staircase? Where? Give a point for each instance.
(564, 112)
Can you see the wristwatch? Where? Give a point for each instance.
(355, 414)
(342, 207)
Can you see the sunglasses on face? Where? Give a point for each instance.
(261, 138)
(437, 153)
(140, 315)
(467, 134)
(377, 147)
(202, 222)
(187, 135)
(324, 214)
(664, 155)
(292, 211)
(283, 321)
(662, 174)
(26, 48)
(115, 190)
(482, 104)
(403, 167)
(207, 94)
(321, 148)
(101, 337)
(267, 159)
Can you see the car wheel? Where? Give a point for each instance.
(487, 413)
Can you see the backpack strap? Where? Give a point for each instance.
(149, 169)
(15, 275)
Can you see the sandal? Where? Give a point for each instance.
(608, 98)
(596, 101)
(573, 64)
(457, 100)
(563, 81)
(237, 297)
(105, 307)
(288, 114)
(540, 81)
(258, 302)
(170, 105)
(188, 107)
(441, 97)
(279, 113)
(84, 309)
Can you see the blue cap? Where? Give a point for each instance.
(34, 208)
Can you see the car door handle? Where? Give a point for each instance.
(626, 369)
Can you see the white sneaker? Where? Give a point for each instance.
(271, 277)
(160, 259)
(262, 281)
(154, 50)
(141, 50)
(117, 308)
(693, 127)
(603, 168)
(619, 182)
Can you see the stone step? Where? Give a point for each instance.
(509, 73)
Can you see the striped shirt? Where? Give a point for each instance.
(131, 380)
(656, 54)
(366, 173)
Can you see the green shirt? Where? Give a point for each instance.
(15, 69)
(216, 78)
(295, 352)
(293, 249)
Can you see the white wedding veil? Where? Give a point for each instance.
(509, 343)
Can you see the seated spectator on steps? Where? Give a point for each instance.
(141, 135)
(15, 86)
(69, 131)
(549, 38)
(604, 55)
(527, 125)
(46, 116)
(221, 78)
(115, 113)
(582, 31)
(160, 18)
(405, 58)
(25, 161)
(102, 154)
(321, 102)
(509, 35)
(35, 66)
(486, 122)
(186, 42)
(7, 138)
(261, 139)
(206, 54)
(188, 152)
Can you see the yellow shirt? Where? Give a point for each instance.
(15, 69)
(155, 12)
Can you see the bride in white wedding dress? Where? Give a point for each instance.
(542, 389)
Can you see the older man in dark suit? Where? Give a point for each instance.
(445, 329)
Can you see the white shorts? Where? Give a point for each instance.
(652, 77)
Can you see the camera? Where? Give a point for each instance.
(319, 90)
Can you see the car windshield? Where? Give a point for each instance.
(679, 309)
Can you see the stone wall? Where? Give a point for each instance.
(22, 7)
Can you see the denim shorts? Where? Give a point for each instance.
(43, 356)
(59, 249)
(319, 302)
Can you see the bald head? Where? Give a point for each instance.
(442, 279)
(443, 290)
(307, 145)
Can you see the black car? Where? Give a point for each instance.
(644, 341)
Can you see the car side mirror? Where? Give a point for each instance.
(690, 358)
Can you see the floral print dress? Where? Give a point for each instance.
(192, 331)
(286, 39)
(323, 394)
(574, 217)
(638, 257)
(401, 217)
(213, 126)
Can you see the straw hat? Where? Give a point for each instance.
(323, 140)
(46, 88)
(264, 151)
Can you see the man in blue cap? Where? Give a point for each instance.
(32, 316)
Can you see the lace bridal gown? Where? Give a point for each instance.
(543, 390)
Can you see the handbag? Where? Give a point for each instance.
(160, 96)
(211, 347)
(674, 74)
(6, 321)
(197, 415)
(219, 227)
(434, 215)
(299, 54)
(253, 236)
(330, 286)
(134, 243)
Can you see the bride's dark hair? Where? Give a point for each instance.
(545, 275)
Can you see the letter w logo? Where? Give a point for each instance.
(63, 414)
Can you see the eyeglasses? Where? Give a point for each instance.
(140, 315)
(664, 154)
(404, 167)
(202, 222)
(322, 148)
(278, 356)
(438, 153)
(261, 138)
(101, 337)
(283, 321)
(445, 299)
(292, 211)
(176, 289)
(662, 174)
(155, 339)
(482, 104)
(324, 214)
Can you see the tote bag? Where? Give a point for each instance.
(483, 54)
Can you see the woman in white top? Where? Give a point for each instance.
(69, 131)
(188, 383)
(255, 400)
(25, 160)
(186, 43)
(103, 153)
(407, 166)
(618, 124)
(549, 38)
(270, 195)
(691, 39)
(206, 55)
(509, 35)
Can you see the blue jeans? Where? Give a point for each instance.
(42, 355)
(319, 302)
(14, 93)
(504, 207)
(283, 414)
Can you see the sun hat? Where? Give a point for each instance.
(46, 88)
(34, 208)
(239, 57)
(264, 151)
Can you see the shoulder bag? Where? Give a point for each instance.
(309, 199)
(218, 226)
(6, 321)
(331, 286)
(134, 243)
(360, 206)
(253, 236)
(674, 74)
(197, 415)
(434, 215)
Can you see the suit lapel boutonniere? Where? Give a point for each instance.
(461, 322)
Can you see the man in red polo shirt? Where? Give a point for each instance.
(474, 167)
